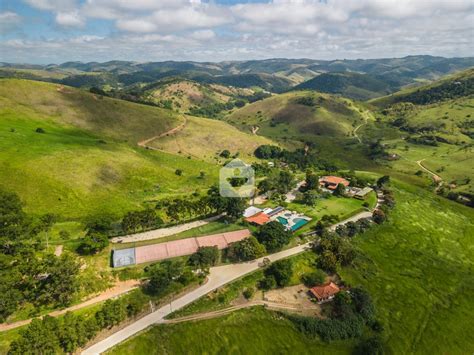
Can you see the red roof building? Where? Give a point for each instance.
(259, 219)
(325, 292)
(331, 182)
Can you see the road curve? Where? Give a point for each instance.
(218, 277)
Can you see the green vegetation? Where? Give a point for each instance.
(253, 331)
(417, 268)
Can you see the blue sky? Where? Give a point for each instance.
(54, 31)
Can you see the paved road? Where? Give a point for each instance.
(218, 276)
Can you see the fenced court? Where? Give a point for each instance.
(161, 251)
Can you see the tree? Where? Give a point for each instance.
(340, 190)
(320, 228)
(282, 271)
(93, 243)
(162, 275)
(205, 257)
(267, 283)
(202, 174)
(370, 346)
(235, 207)
(273, 236)
(99, 224)
(310, 198)
(379, 216)
(328, 261)
(38, 338)
(285, 182)
(178, 172)
(312, 181)
(225, 154)
(314, 278)
(111, 313)
(268, 152)
(246, 249)
(384, 180)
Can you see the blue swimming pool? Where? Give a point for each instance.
(299, 222)
(282, 220)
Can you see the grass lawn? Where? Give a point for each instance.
(249, 331)
(418, 268)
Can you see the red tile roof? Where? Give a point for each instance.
(259, 218)
(325, 291)
(333, 181)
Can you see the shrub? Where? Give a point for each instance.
(249, 292)
(40, 130)
(314, 278)
(281, 271)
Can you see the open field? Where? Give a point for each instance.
(205, 139)
(73, 172)
(418, 268)
(249, 331)
(102, 116)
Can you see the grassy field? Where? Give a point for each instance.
(328, 124)
(251, 331)
(418, 268)
(205, 139)
(72, 172)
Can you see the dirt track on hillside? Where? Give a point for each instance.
(174, 130)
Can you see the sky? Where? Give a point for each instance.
(56, 31)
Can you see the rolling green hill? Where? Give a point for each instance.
(299, 117)
(352, 85)
(84, 158)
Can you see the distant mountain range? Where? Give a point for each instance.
(359, 79)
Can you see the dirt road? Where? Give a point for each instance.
(174, 130)
(120, 288)
(436, 177)
(218, 277)
(164, 232)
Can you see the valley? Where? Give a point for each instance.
(363, 176)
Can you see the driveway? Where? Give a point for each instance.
(218, 276)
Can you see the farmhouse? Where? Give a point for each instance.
(331, 182)
(325, 292)
(258, 219)
(362, 194)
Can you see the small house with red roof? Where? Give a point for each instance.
(325, 292)
(258, 219)
(331, 182)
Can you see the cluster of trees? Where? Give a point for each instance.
(27, 272)
(66, 334)
(283, 182)
(167, 277)
(273, 236)
(278, 274)
(333, 251)
(213, 202)
(445, 91)
(205, 257)
(140, 220)
(245, 250)
(299, 158)
(214, 109)
(349, 314)
(98, 229)
(351, 229)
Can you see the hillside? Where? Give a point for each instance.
(205, 139)
(188, 96)
(353, 85)
(64, 152)
(299, 117)
(298, 113)
(103, 116)
(454, 86)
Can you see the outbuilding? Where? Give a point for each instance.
(325, 292)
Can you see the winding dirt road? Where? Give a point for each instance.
(174, 130)
(435, 176)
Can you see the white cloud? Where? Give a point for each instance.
(70, 19)
(191, 29)
(9, 21)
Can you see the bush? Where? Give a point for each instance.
(267, 283)
(178, 172)
(40, 130)
(205, 257)
(249, 292)
(281, 271)
(314, 278)
(93, 243)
